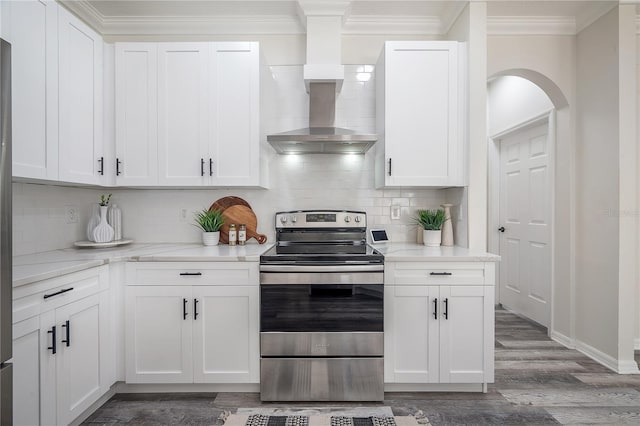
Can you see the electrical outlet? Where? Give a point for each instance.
(183, 215)
(395, 212)
(71, 214)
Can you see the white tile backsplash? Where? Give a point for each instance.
(296, 182)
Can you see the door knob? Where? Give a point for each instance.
(501, 229)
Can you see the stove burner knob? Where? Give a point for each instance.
(347, 219)
(357, 219)
(283, 219)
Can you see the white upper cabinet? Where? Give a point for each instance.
(136, 114)
(419, 115)
(31, 28)
(234, 114)
(183, 116)
(81, 159)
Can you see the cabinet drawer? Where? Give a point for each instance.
(408, 273)
(192, 273)
(42, 296)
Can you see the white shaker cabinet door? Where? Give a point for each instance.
(466, 334)
(226, 334)
(81, 154)
(81, 359)
(27, 350)
(32, 30)
(234, 114)
(411, 334)
(183, 117)
(158, 335)
(136, 114)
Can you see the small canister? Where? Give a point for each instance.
(242, 234)
(233, 236)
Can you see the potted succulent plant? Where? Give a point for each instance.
(431, 222)
(210, 221)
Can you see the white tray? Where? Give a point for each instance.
(91, 244)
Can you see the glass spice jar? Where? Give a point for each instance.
(242, 234)
(233, 236)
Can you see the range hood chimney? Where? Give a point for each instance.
(323, 76)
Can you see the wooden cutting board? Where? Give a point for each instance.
(240, 214)
(225, 202)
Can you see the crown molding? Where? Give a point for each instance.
(323, 7)
(451, 15)
(369, 25)
(85, 11)
(594, 12)
(531, 25)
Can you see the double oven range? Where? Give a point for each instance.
(321, 310)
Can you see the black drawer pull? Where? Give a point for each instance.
(441, 273)
(101, 161)
(195, 309)
(435, 308)
(118, 162)
(210, 166)
(389, 166)
(64, 290)
(190, 274)
(68, 333)
(53, 339)
(202, 167)
(184, 309)
(446, 309)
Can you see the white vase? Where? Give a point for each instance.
(94, 220)
(211, 238)
(103, 233)
(431, 238)
(115, 220)
(447, 226)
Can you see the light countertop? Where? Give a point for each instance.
(412, 252)
(41, 266)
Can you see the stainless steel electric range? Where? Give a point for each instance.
(321, 310)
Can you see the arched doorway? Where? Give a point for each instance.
(523, 106)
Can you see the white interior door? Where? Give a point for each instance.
(525, 214)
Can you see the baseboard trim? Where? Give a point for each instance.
(620, 367)
(562, 339)
(122, 387)
(636, 344)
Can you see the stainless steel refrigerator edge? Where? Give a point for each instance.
(6, 256)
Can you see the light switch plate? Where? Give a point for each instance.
(395, 212)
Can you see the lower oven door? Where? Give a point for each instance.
(321, 379)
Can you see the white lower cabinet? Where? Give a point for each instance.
(194, 333)
(62, 353)
(438, 333)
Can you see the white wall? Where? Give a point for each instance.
(296, 182)
(513, 100)
(597, 167)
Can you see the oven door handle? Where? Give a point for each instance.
(322, 269)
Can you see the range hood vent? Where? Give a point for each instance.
(322, 137)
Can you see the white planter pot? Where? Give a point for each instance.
(103, 233)
(211, 238)
(431, 238)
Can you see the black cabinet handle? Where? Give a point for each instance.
(118, 162)
(202, 167)
(195, 309)
(101, 161)
(210, 166)
(64, 290)
(446, 309)
(501, 229)
(67, 340)
(184, 309)
(435, 308)
(190, 274)
(389, 166)
(53, 339)
(441, 273)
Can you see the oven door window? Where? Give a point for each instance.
(321, 308)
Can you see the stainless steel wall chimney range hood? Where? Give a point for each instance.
(321, 136)
(323, 74)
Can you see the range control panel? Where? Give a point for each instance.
(321, 219)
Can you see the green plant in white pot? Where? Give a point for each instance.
(210, 221)
(431, 222)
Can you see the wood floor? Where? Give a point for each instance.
(538, 382)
